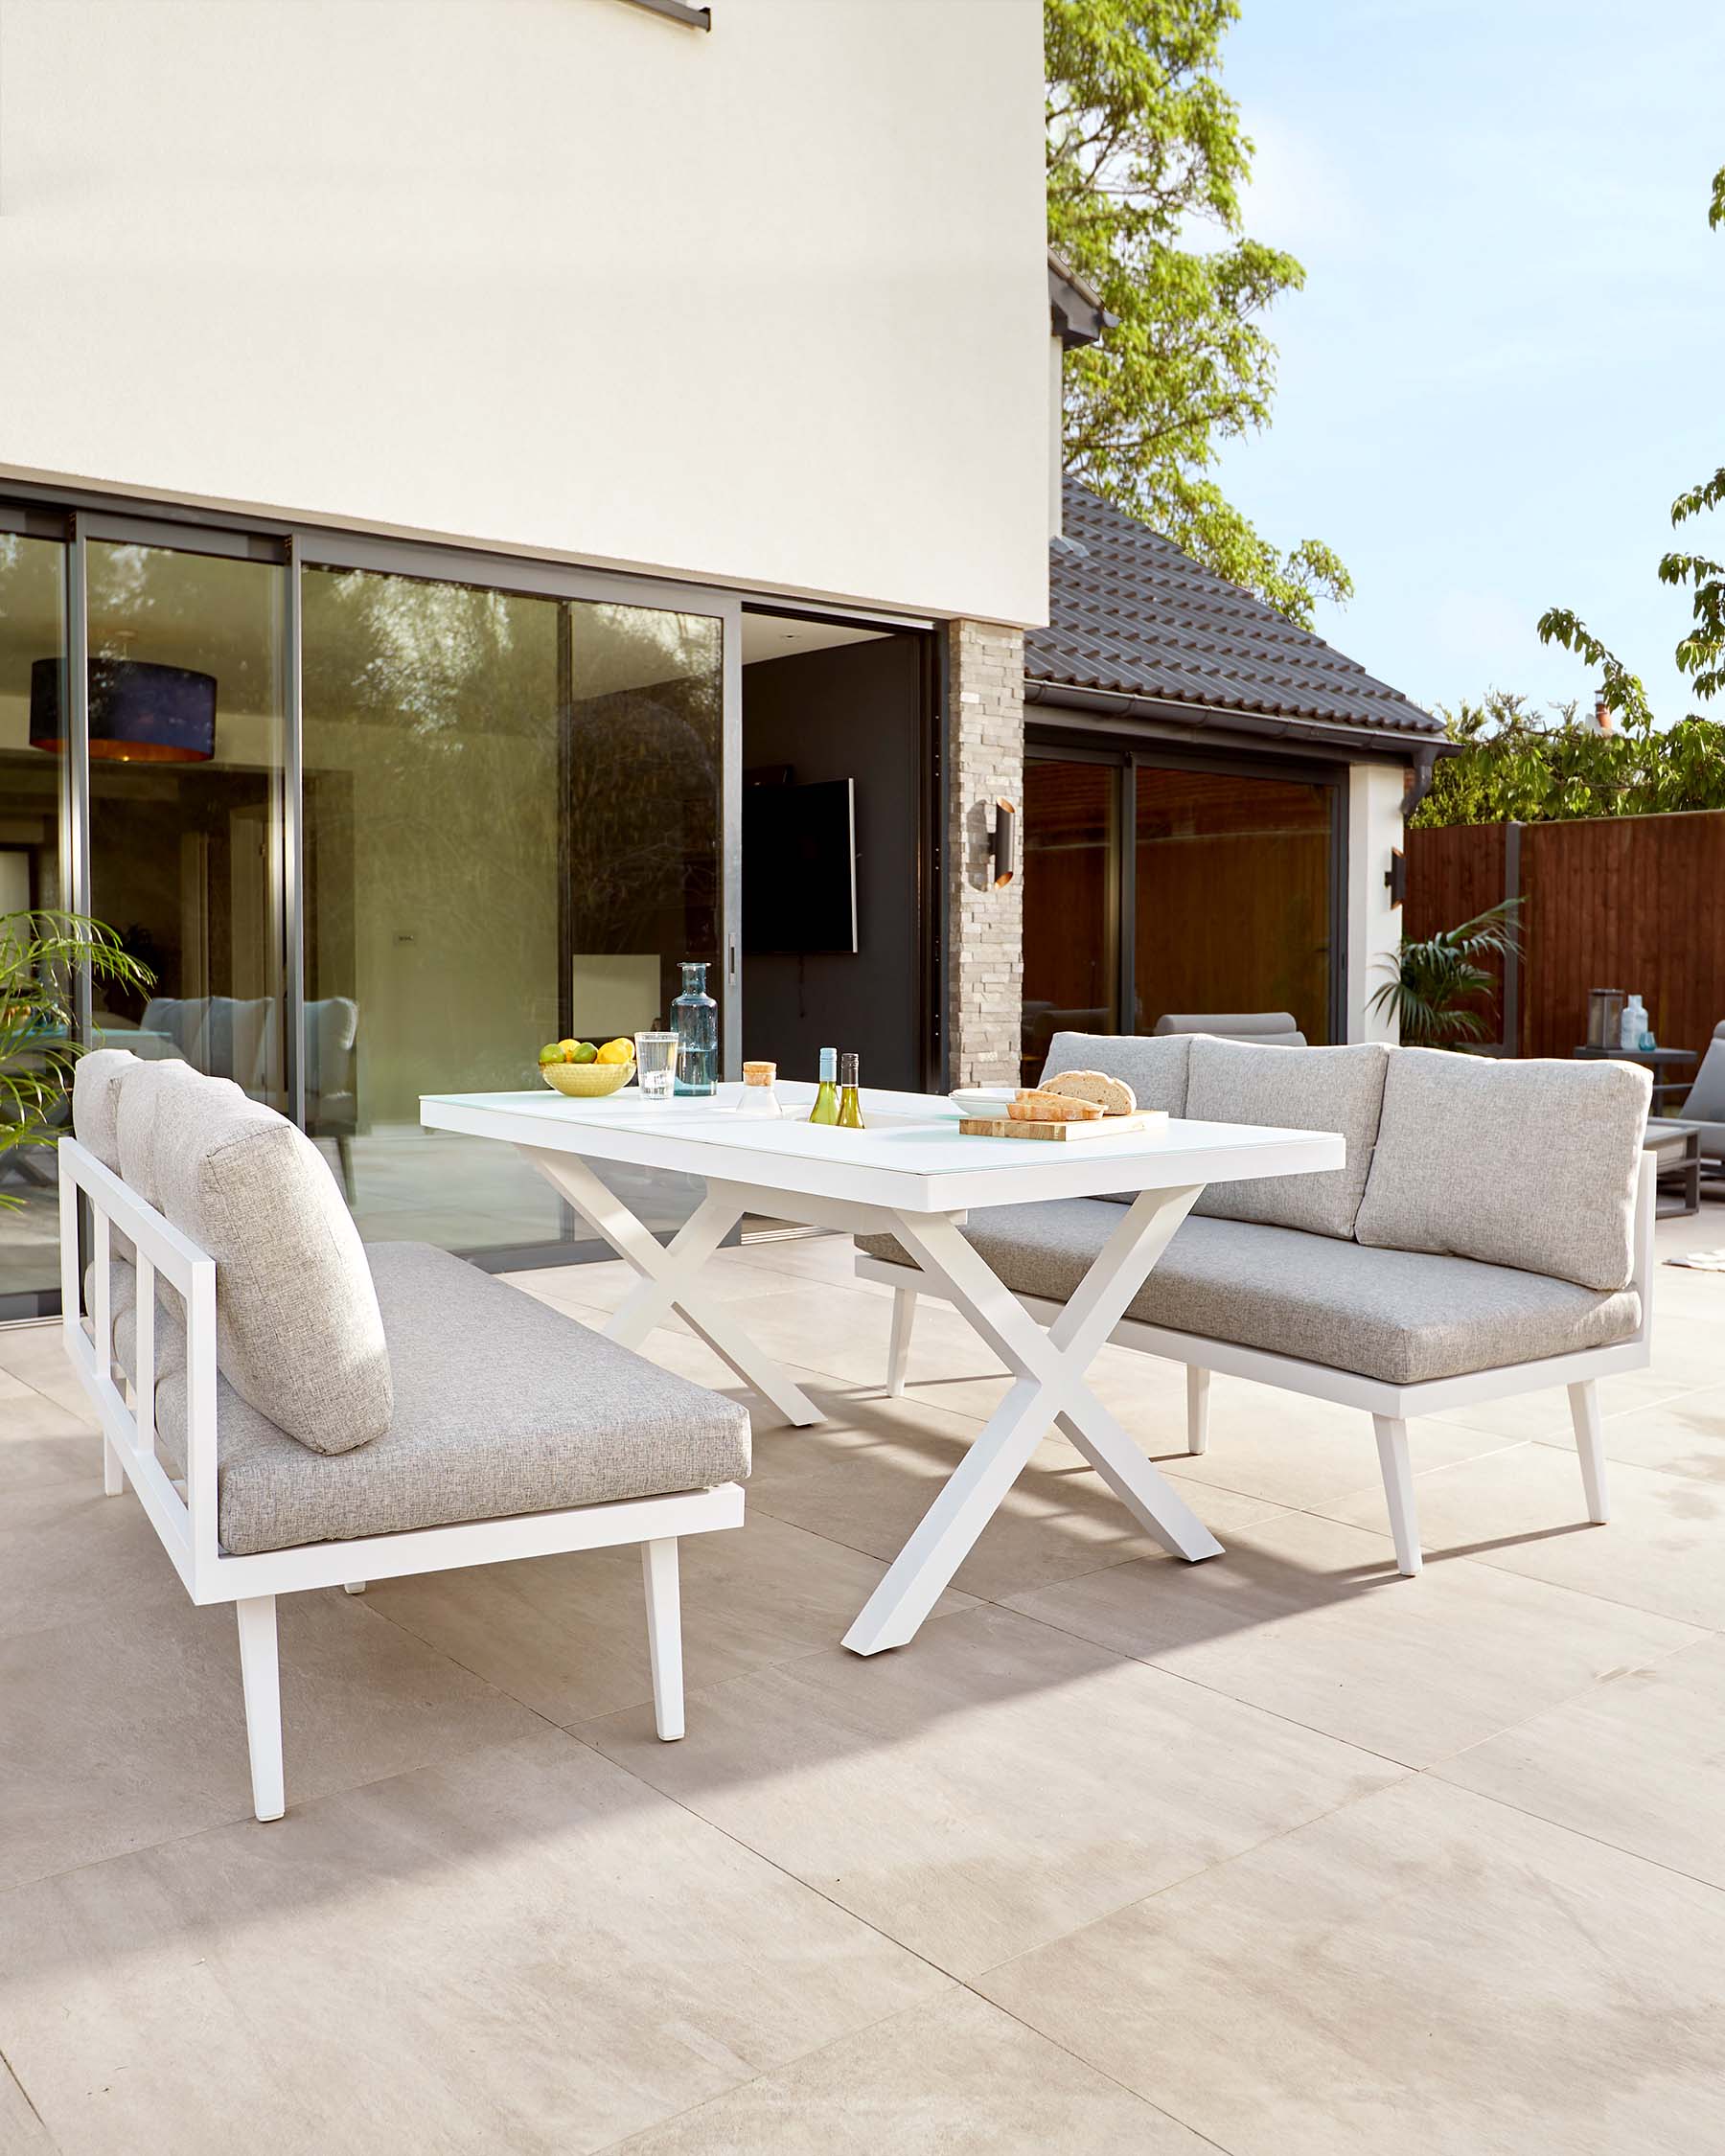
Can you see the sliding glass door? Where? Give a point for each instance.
(186, 743)
(1155, 883)
(375, 830)
(35, 869)
(1072, 871)
(512, 834)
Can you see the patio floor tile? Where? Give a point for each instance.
(523, 1951)
(957, 2079)
(569, 1636)
(1522, 1509)
(1425, 1972)
(1637, 1760)
(1306, 1452)
(1682, 1434)
(67, 1554)
(1311, 1620)
(867, 1476)
(120, 1733)
(991, 1787)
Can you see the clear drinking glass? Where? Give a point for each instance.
(656, 1063)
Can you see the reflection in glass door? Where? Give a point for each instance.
(33, 818)
(186, 810)
(1072, 902)
(1232, 896)
(511, 834)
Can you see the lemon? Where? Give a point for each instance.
(617, 1051)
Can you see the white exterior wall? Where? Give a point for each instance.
(766, 304)
(1374, 927)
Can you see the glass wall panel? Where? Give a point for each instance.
(1233, 907)
(512, 829)
(431, 756)
(33, 812)
(1071, 909)
(185, 733)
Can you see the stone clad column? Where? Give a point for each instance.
(985, 942)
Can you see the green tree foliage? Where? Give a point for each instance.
(1436, 983)
(1145, 149)
(1701, 650)
(40, 956)
(1517, 766)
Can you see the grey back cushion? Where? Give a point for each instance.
(1273, 1028)
(1706, 1102)
(1531, 1164)
(1299, 1090)
(1156, 1070)
(140, 1094)
(95, 1102)
(299, 1334)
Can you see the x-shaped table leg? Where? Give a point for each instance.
(668, 1276)
(1049, 1369)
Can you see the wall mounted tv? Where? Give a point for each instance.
(799, 869)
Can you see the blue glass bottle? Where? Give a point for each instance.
(695, 1017)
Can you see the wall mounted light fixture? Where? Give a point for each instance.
(1002, 843)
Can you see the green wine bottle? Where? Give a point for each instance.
(850, 1106)
(826, 1101)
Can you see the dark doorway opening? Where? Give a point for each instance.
(826, 702)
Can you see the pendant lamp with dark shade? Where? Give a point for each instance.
(140, 713)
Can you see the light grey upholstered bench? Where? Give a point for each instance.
(295, 1411)
(1491, 1234)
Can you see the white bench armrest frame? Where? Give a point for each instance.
(188, 1525)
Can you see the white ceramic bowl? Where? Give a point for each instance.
(983, 1100)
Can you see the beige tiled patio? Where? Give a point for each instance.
(1279, 1855)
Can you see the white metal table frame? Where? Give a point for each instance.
(909, 1175)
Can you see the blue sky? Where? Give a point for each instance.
(1509, 354)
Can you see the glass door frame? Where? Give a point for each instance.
(77, 515)
(1128, 755)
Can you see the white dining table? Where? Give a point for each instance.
(913, 1175)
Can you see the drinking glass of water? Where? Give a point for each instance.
(656, 1063)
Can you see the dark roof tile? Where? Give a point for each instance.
(1130, 613)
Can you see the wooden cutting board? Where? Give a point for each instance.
(1062, 1133)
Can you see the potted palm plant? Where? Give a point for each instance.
(1435, 982)
(41, 955)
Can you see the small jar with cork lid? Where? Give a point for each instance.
(758, 1098)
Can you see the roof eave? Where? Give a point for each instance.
(1362, 734)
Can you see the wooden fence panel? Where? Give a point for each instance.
(1453, 874)
(1635, 902)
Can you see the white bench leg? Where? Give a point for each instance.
(355, 1587)
(261, 1678)
(898, 1354)
(1398, 1490)
(113, 1475)
(664, 1635)
(1590, 1444)
(1197, 1408)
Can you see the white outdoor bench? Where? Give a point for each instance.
(1492, 1233)
(438, 1418)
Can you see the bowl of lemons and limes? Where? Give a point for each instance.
(586, 1069)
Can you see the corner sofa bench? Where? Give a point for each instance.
(296, 1409)
(1491, 1234)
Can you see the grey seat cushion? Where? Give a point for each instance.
(503, 1406)
(1402, 1315)
(1531, 1164)
(1300, 1090)
(1156, 1070)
